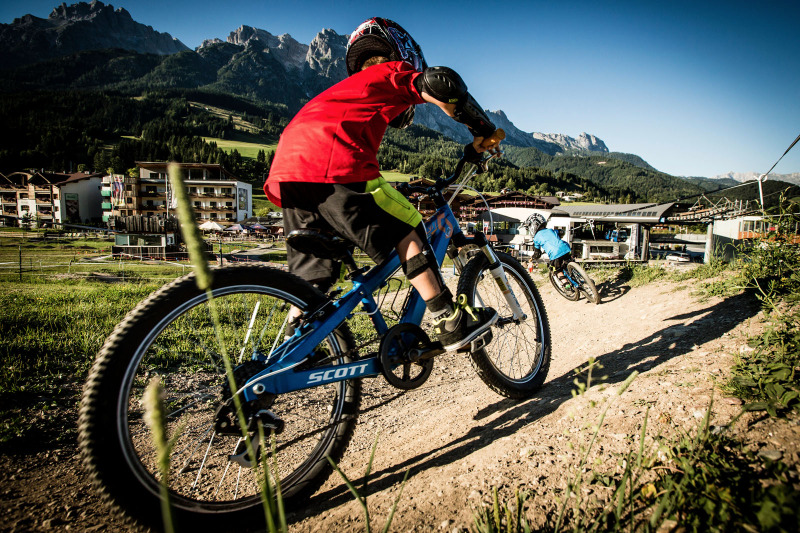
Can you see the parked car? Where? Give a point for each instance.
(617, 235)
(678, 257)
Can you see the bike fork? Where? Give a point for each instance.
(499, 275)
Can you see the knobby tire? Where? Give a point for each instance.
(587, 286)
(516, 362)
(170, 334)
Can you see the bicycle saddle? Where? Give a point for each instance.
(318, 244)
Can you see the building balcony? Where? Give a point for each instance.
(106, 206)
(211, 195)
(105, 193)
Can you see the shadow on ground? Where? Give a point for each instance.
(670, 342)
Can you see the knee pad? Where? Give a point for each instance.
(421, 262)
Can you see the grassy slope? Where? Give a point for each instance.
(246, 147)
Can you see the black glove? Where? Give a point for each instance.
(537, 254)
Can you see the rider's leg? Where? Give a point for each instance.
(455, 325)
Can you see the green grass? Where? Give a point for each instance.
(247, 146)
(52, 330)
(260, 202)
(395, 176)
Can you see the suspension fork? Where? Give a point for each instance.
(499, 275)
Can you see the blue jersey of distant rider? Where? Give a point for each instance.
(547, 240)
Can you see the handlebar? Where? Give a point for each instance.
(471, 155)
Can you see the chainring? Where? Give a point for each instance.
(397, 353)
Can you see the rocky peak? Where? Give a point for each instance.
(326, 54)
(74, 28)
(288, 51)
(585, 142)
(84, 11)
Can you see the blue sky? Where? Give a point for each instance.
(695, 88)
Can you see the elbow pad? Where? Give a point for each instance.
(442, 83)
(470, 113)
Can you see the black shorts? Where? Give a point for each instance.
(560, 262)
(372, 215)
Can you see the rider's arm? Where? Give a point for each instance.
(444, 88)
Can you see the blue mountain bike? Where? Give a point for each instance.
(304, 387)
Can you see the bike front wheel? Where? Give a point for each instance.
(182, 336)
(516, 362)
(586, 284)
(563, 285)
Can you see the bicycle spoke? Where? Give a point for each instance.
(200, 470)
(199, 441)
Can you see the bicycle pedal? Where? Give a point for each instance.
(480, 342)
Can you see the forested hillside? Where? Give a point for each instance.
(609, 172)
(101, 130)
(105, 130)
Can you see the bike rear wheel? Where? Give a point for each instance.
(587, 286)
(516, 362)
(564, 286)
(172, 335)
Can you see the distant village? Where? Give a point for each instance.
(140, 211)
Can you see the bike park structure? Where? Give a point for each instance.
(608, 233)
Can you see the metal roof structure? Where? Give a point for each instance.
(634, 213)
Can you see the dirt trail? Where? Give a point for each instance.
(459, 439)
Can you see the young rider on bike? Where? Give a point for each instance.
(326, 177)
(547, 240)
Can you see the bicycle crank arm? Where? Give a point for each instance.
(502, 321)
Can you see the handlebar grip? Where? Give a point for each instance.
(494, 139)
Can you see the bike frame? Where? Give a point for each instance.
(563, 270)
(282, 376)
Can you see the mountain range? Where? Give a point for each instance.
(81, 26)
(250, 62)
(741, 177)
(95, 46)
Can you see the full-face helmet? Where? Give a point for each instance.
(382, 37)
(534, 223)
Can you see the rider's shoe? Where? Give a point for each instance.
(464, 324)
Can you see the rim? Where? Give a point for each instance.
(181, 350)
(515, 353)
